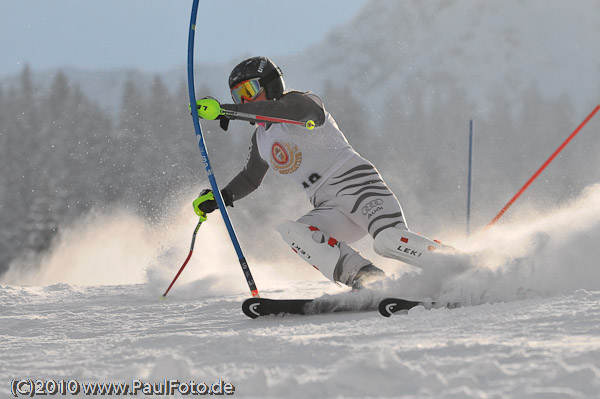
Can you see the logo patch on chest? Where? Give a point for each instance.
(285, 158)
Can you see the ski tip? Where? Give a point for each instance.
(250, 307)
(386, 309)
(256, 307)
(389, 306)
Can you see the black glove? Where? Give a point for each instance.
(224, 124)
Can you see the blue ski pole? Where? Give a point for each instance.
(204, 154)
(469, 180)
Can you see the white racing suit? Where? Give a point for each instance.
(349, 196)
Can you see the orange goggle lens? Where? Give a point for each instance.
(247, 90)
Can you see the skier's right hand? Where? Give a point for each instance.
(210, 109)
(206, 203)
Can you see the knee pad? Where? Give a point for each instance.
(405, 246)
(336, 260)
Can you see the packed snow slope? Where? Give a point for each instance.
(92, 313)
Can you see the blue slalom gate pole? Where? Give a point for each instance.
(470, 177)
(204, 154)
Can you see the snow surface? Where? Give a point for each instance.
(92, 312)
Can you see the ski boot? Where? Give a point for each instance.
(366, 275)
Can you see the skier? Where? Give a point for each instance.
(349, 196)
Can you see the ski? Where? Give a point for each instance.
(389, 306)
(257, 307)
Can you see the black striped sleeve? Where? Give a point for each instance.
(250, 178)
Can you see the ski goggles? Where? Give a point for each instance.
(247, 90)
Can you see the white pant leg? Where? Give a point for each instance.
(358, 191)
(335, 259)
(333, 222)
(406, 246)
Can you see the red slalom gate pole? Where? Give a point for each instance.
(540, 170)
(186, 260)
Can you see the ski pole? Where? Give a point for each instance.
(470, 177)
(536, 174)
(209, 108)
(186, 260)
(310, 124)
(204, 155)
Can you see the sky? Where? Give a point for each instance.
(152, 34)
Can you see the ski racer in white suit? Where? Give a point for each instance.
(349, 196)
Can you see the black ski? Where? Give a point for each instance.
(389, 306)
(256, 307)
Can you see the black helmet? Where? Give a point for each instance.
(271, 77)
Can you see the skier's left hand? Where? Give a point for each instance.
(210, 109)
(206, 203)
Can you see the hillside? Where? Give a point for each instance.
(486, 48)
